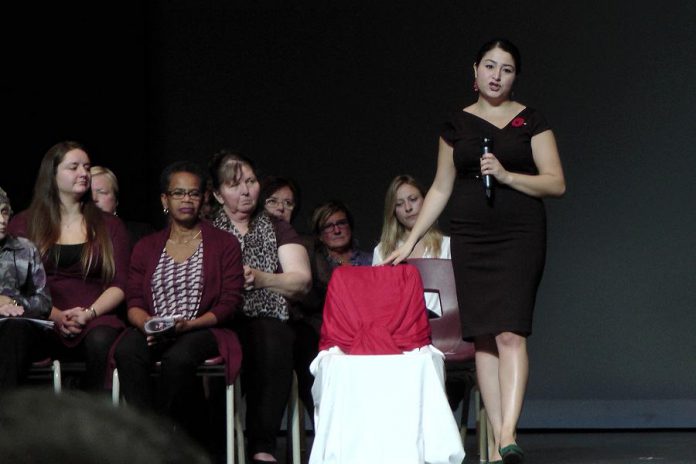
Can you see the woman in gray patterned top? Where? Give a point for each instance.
(276, 268)
(23, 294)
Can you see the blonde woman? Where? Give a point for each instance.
(104, 189)
(402, 203)
(105, 195)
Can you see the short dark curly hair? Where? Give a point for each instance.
(182, 166)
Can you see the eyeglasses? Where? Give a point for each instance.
(179, 194)
(341, 224)
(275, 203)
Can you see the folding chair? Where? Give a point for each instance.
(55, 370)
(438, 277)
(47, 369)
(213, 367)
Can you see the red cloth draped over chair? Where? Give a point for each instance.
(375, 310)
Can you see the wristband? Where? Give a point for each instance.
(92, 310)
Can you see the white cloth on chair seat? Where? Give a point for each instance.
(383, 409)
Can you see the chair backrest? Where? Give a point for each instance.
(438, 277)
(375, 310)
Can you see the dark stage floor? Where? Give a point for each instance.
(596, 447)
(603, 447)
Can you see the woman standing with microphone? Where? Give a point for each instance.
(498, 241)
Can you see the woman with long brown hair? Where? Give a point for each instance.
(85, 252)
(402, 205)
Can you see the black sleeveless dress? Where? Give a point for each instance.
(498, 246)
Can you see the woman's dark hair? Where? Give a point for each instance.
(182, 166)
(272, 184)
(505, 45)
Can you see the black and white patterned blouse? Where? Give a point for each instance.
(177, 287)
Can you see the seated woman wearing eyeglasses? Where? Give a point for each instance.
(23, 294)
(192, 273)
(276, 271)
(334, 245)
(279, 197)
(332, 224)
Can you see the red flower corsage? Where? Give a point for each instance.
(518, 122)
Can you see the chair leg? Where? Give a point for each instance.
(239, 428)
(463, 431)
(229, 423)
(293, 423)
(57, 377)
(481, 427)
(464, 420)
(115, 389)
(302, 431)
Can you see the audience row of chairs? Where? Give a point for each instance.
(55, 370)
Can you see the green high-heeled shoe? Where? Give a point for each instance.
(512, 454)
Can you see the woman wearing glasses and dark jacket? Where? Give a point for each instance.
(191, 273)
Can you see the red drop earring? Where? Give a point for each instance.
(476, 89)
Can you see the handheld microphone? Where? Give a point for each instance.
(487, 147)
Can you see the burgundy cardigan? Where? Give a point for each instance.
(68, 286)
(223, 281)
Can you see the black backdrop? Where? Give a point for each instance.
(343, 98)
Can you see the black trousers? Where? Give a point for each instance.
(267, 345)
(19, 340)
(305, 349)
(22, 342)
(179, 393)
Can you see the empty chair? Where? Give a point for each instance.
(379, 389)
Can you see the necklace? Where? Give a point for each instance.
(338, 258)
(69, 223)
(187, 241)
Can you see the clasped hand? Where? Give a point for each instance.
(71, 321)
(249, 278)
